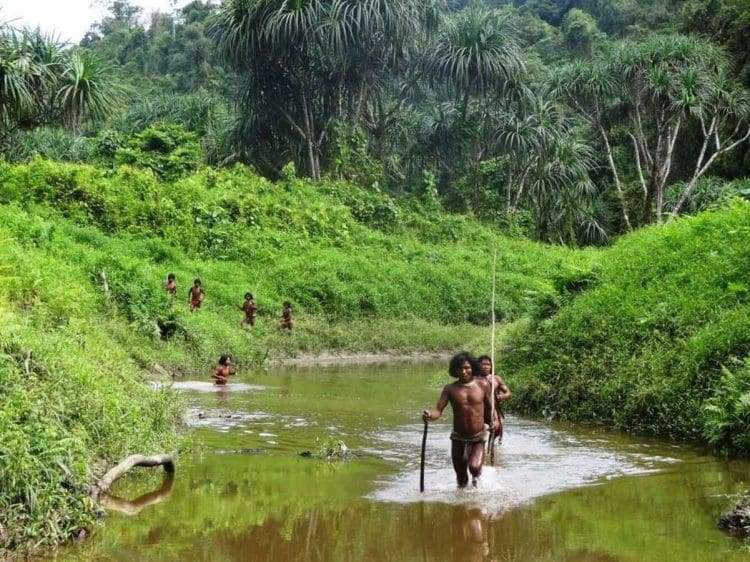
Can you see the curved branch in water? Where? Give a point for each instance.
(166, 460)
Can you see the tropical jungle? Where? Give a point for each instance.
(568, 180)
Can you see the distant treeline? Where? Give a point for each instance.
(569, 122)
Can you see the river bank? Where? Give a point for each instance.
(333, 358)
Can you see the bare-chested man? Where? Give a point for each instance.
(502, 390)
(471, 403)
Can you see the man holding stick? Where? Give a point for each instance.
(471, 402)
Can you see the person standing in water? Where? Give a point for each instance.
(502, 390)
(223, 370)
(470, 400)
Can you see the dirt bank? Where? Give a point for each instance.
(328, 359)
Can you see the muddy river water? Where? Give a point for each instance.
(557, 492)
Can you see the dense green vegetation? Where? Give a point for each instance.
(571, 122)
(363, 273)
(364, 159)
(74, 399)
(655, 338)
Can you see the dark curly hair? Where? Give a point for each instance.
(459, 359)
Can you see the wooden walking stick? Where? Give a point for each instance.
(421, 464)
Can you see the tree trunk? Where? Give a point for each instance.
(310, 140)
(616, 177)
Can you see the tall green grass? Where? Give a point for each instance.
(364, 273)
(74, 401)
(339, 253)
(653, 339)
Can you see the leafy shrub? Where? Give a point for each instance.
(55, 143)
(639, 343)
(166, 149)
(727, 412)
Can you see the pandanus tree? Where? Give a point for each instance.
(547, 170)
(473, 61)
(595, 91)
(24, 77)
(43, 84)
(86, 87)
(303, 63)
(655, 89)
(475, 54)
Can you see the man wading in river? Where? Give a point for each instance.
(472, 411)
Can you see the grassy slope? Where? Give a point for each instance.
(653, 339)
(78, 404)
(363, 274)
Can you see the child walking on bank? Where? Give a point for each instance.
(250, 309)
(286, 317)
(170, 285)
(195, 295)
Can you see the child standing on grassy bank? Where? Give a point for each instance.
(286, 317)
(250, 309)
(170, 285)
(195, 295)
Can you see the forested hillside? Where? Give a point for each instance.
(569, 122)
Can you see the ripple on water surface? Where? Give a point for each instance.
(206, 386)
(534, 460)
(221, 419)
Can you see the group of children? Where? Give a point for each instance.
(196, 294)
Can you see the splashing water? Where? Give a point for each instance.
(534, 460)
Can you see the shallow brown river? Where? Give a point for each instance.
(558, 492)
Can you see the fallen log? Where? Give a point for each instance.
(166, 460)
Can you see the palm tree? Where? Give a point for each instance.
(86, 88)
(547, 169)
(40, 84)
(475, 54)
(305, 62)
(668, 81)
(595, 90)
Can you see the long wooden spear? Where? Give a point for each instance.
(492, 358)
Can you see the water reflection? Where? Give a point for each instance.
(472, 535)
(134, 507)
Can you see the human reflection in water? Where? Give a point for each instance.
(137, 505)
(471, 534)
